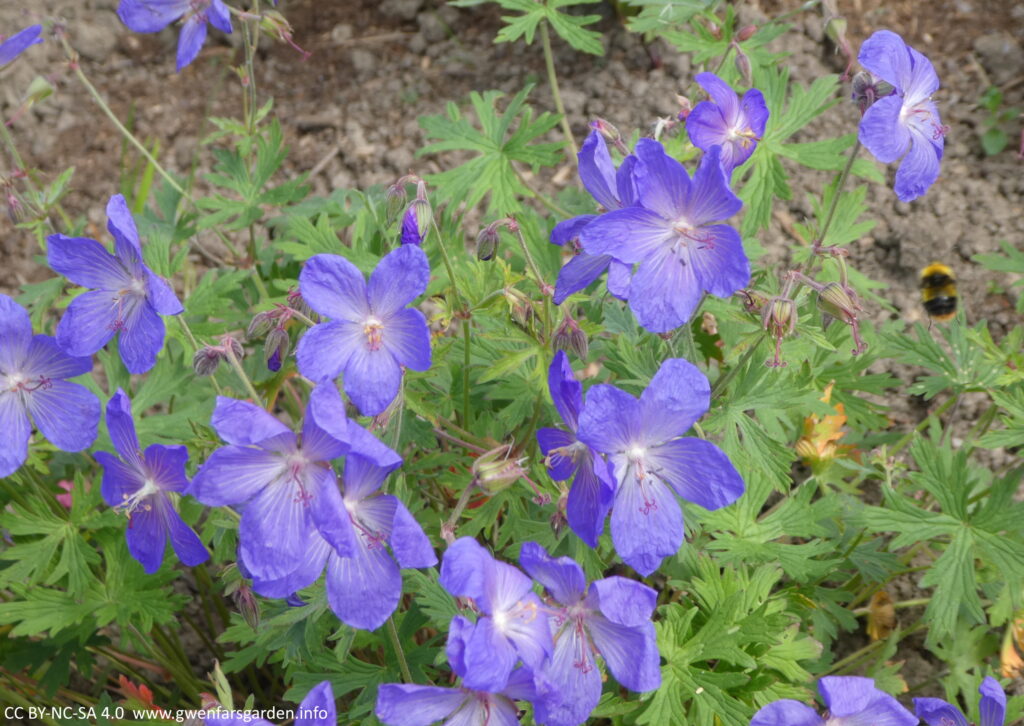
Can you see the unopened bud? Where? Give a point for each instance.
(261, 324)
(866, 89)
(394, 201)
(247, 605)
(487, 241)
(743, 66)
(295, 302)
(685, 107)
(276, 347)
(753, 301)
(746, 33)
(232, 345)
(559, 521)
(494, 471)
(206, 360)
(416, 222)
(520, 306)
(571, 338)
(609, 132)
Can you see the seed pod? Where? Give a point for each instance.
(494, 471)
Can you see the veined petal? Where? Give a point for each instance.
(142, 338)
(562, 577)
(611, 419)
(566, 391)
(146, 533)
(718, 260)
(219, 16)
(677, 396)
(121, 224)
(620, 276)
(937, 712)
(363, 590)
(235, 474)
(326, 412)
(590, 497)
(244, 423)
(190, 42)
(465, 567)
(572, 682)
(886, 55)
(631, 652)
(45, 358)
(88, 323)
(504, 587)
(597, 172)
(325, 349)
(561, 467)
(569, 229)
(399, 278)
(121, 428)
(15, 334)
(992, 707)
(329, 514)
(161, 295)
(167, 465)
(372, 378)
(407, 337)
(408, 540)
(706, 127)
(184, 540)
(919, 168)
(664, 292)
(119, 481)
(755, 110)
(882, 131)
(662, 183)
(847, 695)
(85, 262)
(68, 414)
(647, 524)
(334, 287)
(14, 433)
(629, 235)
(722, 95)
(275, 528)
(400, 704)
(527, 628)
(578, 273)
(923, 79)
(149, 16)
(308, 570)
(319, 700)
(787, 712)
(622, 601)
(363, 475)
(698, 470)
(710, 199)
(625, 181)
(489, 657)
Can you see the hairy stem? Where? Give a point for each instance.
(549, 62)
(402, 663)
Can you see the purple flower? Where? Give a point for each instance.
(611, 617)
(511, 626)
(316, 709)
(151, 16)
(612, 190)
(32, 373)
(137, 482)
(992, 707)
(735, 124)
(650, 462)
(415, 705)
(851, 701)
(593, 484)
(274, 476)
(681, 254)
(905, 124)
(127, 296)
(19, 43)
(372, 334)
(411, 227)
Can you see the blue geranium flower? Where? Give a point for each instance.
(611, 617)
(372, 333)
(316, 709)
(650, 461)
(151, 16)
(32, 373)
(670, 233)
(19, 43)
(904, 125)
(851, 701)
(593, 484)
(735, 124)
(992, 708)
(511, 626)
(612, 190)
(127, 297)
(137, 482)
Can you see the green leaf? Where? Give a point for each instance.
(956, 593)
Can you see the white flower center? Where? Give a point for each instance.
(373, 329)
(138, 499)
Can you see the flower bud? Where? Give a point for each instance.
(232, 345)
(247, 605)
(487, 241)
(520, 306)
(743, 66)
(685, 107)
(571, 338)
(753, 301)
(839, 302)
(394, 201)
(206, 360)
(866, 89)
(261, 324)
(609, 132)
(276, 347)
(295, 302)
(746, 33)
(494, 471)
(416, 222)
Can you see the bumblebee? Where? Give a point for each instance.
(938, 291)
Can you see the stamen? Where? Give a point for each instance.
(373, 330)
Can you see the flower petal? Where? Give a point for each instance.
(14, 433)
(319, 700)
(623, 601)
(919, 168)
(663, 184)
(19, 43)
(937, 712)
(664, 292)
(275, 529)
(710, 199)
(677, 396)
(464, 568)
(15, 334)
(307, 571)
(629, 235)
(572, 682)
(190, 42)
(569, 229)
(787, 712)
(142, 338)
(399, 278)
(561, 576)
(489, 657)
(161, 295)
(887, 56)
(707, 128)
(45, 358)
(184, 540)
(334, 287)
(363, 475)
(146, 16)
(407, 337)
(560, 467)
(755, 110)
(167, 465)
(244, 423)
(400, 704)
(597, 172)
(326, 348)
(119, 481)
(85, 262)
(363, 590)
(409, 542)
(372, 379)
(882, 131)
(528, 630)
(647, 524)
(219, 16)
(121, 225)
(631, 652)
(719, 262)
(68, 414)
(329, 514)
(625, 181)
(610, 420)
(992, 707)
(578, 273)
(88, 323)
(619, 277)
(722, 95)
(121, 428)
(590, 497)
(699, 472)
(146, 533)
(923, 79)
(235, 474)
(566, 391)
